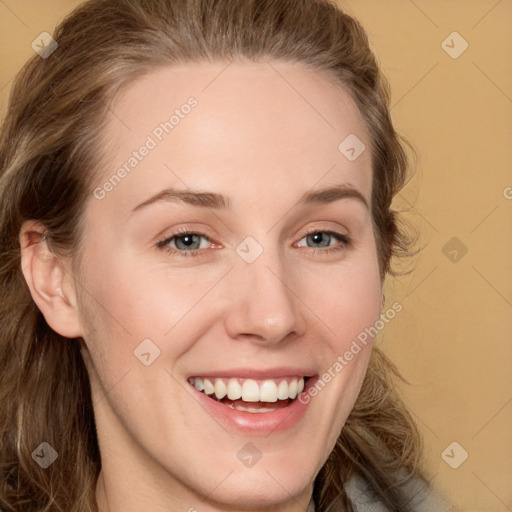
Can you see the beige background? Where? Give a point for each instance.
(452, 340)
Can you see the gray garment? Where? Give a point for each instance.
(423, 499)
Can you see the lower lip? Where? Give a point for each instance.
(263, 423)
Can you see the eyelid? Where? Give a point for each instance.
(345, 240)
(329, 231)
(162, 242)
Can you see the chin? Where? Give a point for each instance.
(255, 489)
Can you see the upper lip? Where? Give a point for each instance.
(257, 373)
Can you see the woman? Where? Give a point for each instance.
(196, 227)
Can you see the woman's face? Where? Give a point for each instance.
(273, 283)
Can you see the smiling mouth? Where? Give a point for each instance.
(251, 395)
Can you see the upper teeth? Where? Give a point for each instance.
(250, 390)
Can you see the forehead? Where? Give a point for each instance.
(246, 126)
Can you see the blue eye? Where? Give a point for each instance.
(324, 239)
(187, 243)
(190, 243)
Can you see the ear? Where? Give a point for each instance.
(50, 281)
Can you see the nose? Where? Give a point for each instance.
(263, 306)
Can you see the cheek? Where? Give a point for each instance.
(346, 299)
(125, 304)
(347, 306)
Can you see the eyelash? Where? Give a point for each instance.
(163, 244)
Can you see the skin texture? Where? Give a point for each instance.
(262, 134)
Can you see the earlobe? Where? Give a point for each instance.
(49, 280)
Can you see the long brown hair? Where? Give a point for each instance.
(49, 149)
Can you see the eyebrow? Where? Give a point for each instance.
(220, 202)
